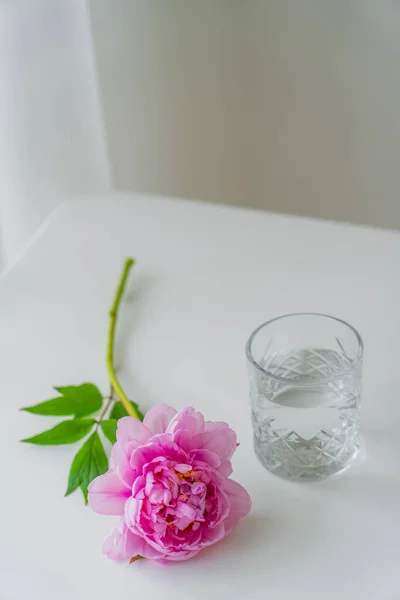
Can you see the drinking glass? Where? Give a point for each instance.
(305, 390)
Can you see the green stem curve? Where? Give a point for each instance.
(130, 409)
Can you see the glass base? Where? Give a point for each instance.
(303, 460)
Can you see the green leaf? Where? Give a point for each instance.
(84, 490)
(89, 462)
(118, 411)
(86, 398)
(77, 400)
(109, 428)
(57, 407)
(65, 432)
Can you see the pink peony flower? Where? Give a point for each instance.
(169, 483)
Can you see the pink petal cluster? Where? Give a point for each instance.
(169, 482)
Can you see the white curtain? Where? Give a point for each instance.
(52, 141)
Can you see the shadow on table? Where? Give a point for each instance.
(251, 532)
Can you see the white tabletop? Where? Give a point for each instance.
(205, 277)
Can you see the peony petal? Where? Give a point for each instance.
(145, 454)
(120, 464)
(158, 418)
(226, 468)
(240, 503)
(148, 551)
(132, 430)
(200, 423)
(221, 507)
(210, 458)
(211, 535)
(215, 425)
(108, 494)
(188, 419)
(133, 509)
(177, 556)
(160, 446)
(183, 438)
(123, 544)
(182, 468)
(217, 437)
(138, 485)
(199, 488)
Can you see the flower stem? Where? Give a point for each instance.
(109, 401)
(130, 409)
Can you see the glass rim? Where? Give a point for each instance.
(353, 362)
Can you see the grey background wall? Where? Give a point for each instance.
(288, 105)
